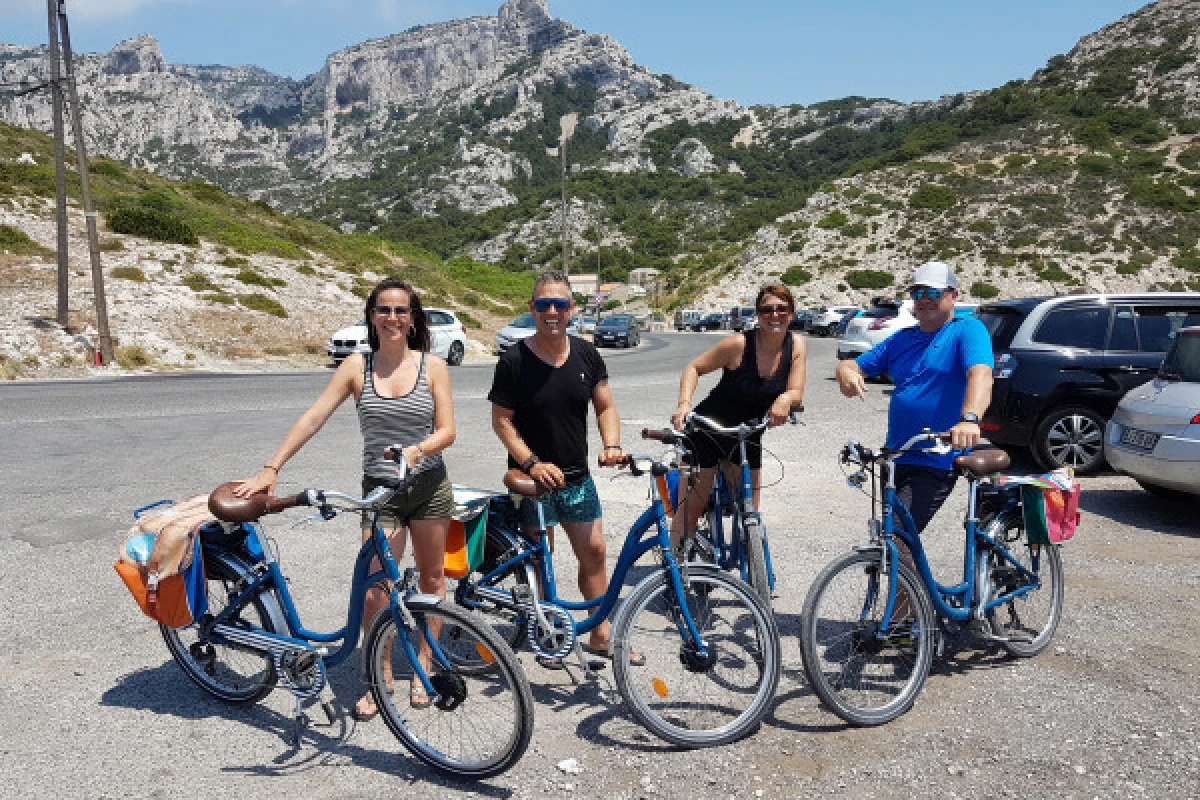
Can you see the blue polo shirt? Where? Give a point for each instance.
(929, 371)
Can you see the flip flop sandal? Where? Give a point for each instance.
(417, 698)
(635, 659)
(365, 716)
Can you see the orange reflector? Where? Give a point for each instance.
(660, 688)
(665, 493)
(484, 653)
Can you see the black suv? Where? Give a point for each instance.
(1063, 363)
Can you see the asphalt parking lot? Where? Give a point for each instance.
(94, 707)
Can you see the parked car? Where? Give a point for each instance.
(587, 324)
(845, 321)
(709, 322)
(1063, 363)
(1154, 435)
(872, 326)
(743, 318)
(802, 321)
(827, 319)
(619, 329)
(686, 318)
(521, 327)
(448, 338)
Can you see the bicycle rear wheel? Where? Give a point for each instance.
(864, 678)
(495, 599)
(683, 697)
(1030, 620)
(482, 722)
(234, 673)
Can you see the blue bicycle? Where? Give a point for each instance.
(480, 719)
(730, 533)
(707, 649)
(871, 623)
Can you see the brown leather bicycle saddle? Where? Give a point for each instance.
(228, 507)
(982, 462)
(517, 482)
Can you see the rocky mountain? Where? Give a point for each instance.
(1084, 175)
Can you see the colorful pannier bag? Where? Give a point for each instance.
(468, 532)
(1049, 505)
(162, 563)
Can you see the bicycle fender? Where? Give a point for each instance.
(422, 602)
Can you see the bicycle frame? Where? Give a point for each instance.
(950, 602)
(731, 553)
(268, 577)
(650, 531)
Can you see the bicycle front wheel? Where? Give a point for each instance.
(756, 563)
(232, 672)
(1028, 621)
(864, 677)
(482, 721)
(685, 697)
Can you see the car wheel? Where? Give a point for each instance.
(455, 356)
(1070, 437)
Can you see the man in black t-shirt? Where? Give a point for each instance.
(540, 395)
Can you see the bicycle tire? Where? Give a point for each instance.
(509, 625)
(849, 667)
(232, 673)
(490, 727)
(756, 562)
(673, 694)
(1036, 614)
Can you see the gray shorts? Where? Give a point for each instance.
(923, 490)
(428, 496)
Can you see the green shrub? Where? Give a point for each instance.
(305, 269)
(221, 297)
(132, 357)
(234, 262)
(260, 302)
(1055, 274)
(982, 226)
(129, 274)
(254, 278)
(834, 219)
(199, 282)
(984, 290)
(109, 244)
(1189, 260)
(855, 230)
(986, 168)
(795, 276)
(797, 245)
(1096, 164)
(869, 279)
(1189, 158)
(18, 242)
(933, 197)
(149, 223)
(467, 319)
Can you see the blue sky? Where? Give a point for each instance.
(753, 51)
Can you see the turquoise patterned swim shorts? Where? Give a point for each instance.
(577, 502)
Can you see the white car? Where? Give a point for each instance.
(448, 338)
(827, 319)
(522, 327)
(873, 326)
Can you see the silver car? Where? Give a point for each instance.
(523, 326)
(1154, 435)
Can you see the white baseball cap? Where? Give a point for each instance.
(934, 274)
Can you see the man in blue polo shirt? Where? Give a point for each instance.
(942, 371)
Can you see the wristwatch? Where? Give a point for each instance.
(529, 463)
(970, 416)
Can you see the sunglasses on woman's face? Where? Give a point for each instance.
(544, 304)
(767, 311)
(926, 293)
(387, 311)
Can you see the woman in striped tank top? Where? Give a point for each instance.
(403, 397)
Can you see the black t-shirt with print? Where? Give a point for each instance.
(550, 404)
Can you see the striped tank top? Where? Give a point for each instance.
(404, 420)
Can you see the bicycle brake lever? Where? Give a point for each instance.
(315, 518)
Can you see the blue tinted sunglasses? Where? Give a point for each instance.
(926, 293)
(544, 304)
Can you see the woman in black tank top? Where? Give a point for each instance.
(763, 373)
(403, 397)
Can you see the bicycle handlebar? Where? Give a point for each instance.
(853, 451)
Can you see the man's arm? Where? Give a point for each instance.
(976, 401)
(852, 381)
(609, 423)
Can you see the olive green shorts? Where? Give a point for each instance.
(428, 496)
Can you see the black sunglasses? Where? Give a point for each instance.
(387, 311)
(544, 304)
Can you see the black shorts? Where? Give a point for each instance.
(708, 448)
(923, 490)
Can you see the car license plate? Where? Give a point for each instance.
(1143, 440)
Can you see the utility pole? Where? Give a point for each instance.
(85, 187)
(566, 248)
(60, 163)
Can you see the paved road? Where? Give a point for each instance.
(91, 705)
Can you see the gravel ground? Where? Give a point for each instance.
(1109, 710)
